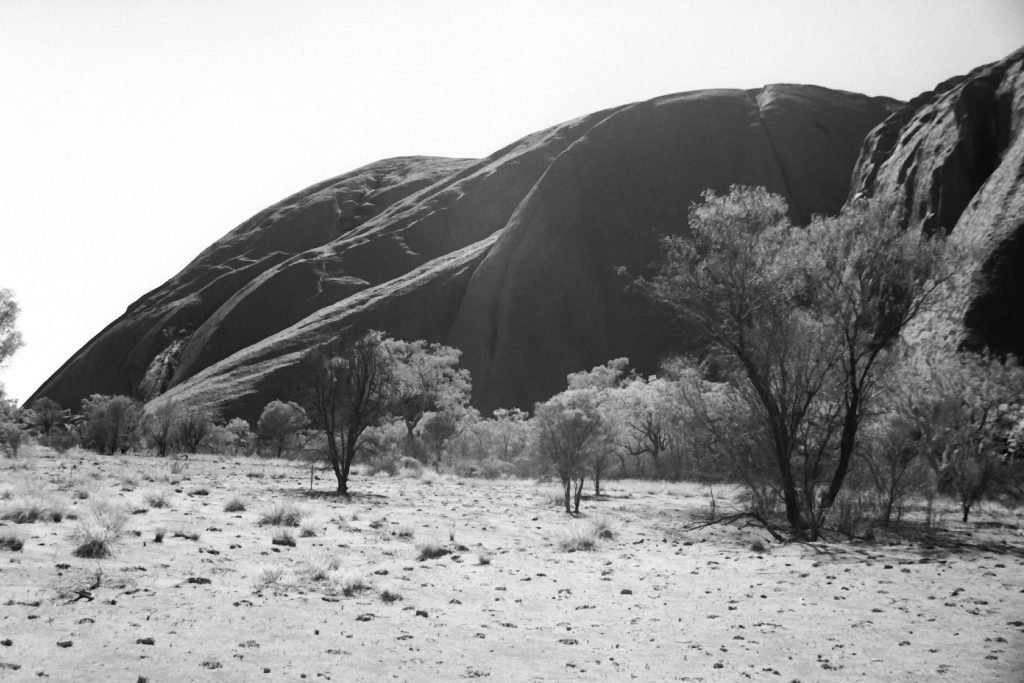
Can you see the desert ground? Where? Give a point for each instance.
(653, 599)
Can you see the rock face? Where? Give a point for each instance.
(512, 258)
(956, 157)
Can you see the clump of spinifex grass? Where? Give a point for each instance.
(283, 536)
(30, 501)
(583, 535)
(99, 530)
(428, 550)
(282, 514)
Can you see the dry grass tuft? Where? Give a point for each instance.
(235, 504)
(282, 514)
(11, 540)
(349, 583)
(100, 530)
(320, 569)
(30, 502)
(283, 536)
(428, 550)
(268, 575)
(583, 535)
(185, 532)
(156, 499)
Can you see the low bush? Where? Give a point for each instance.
(349, 583)
(30, 502)
(235, 504)
(283, 536)
(156, 499)
(99, 530)
(266, 576)
(428, 550)
(282, 514)
(11, 540)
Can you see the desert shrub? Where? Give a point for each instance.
(493, 468)
(307, 530)
(389, 596)
(157, 499)
(319, 569)
(111, 423)
(99, 530)
(349, 583)
(29, 502)
(239, 437)
(158, 534)
(601, 526)
(283, 536)
(383, 463)
(410, 467)
(235, 504)
(856, 512)
(11, 540)
(128, 480)
(279, 427)
(282, 514)
(584, 534)
(404, 531)
(269, 575)
(483, 557)
(429, 550)
(11, 437)
(188, 533)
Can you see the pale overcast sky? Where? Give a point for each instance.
(134, 133)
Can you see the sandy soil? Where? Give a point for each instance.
(654, 602)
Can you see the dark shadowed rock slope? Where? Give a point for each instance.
(957, 156)
(512, 258)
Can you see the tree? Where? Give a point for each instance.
(804, 320)
(194, 426)
(112, 423)
(961, 412)
(239, 436)
(426, 380)
(10, 431)
(347, 388)
(10, 337)
(160, 425)
(571, 430)
(869, 279)
(278, 426)
(47, 415)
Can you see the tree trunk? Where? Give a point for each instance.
(579, 492)
(334, 457)
(567, 485)
(846, 442)
(794, 515)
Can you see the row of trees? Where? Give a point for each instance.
(808, 391)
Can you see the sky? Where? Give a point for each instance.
(134, 133)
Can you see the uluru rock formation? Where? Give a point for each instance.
(956, 157)
(511, 258)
